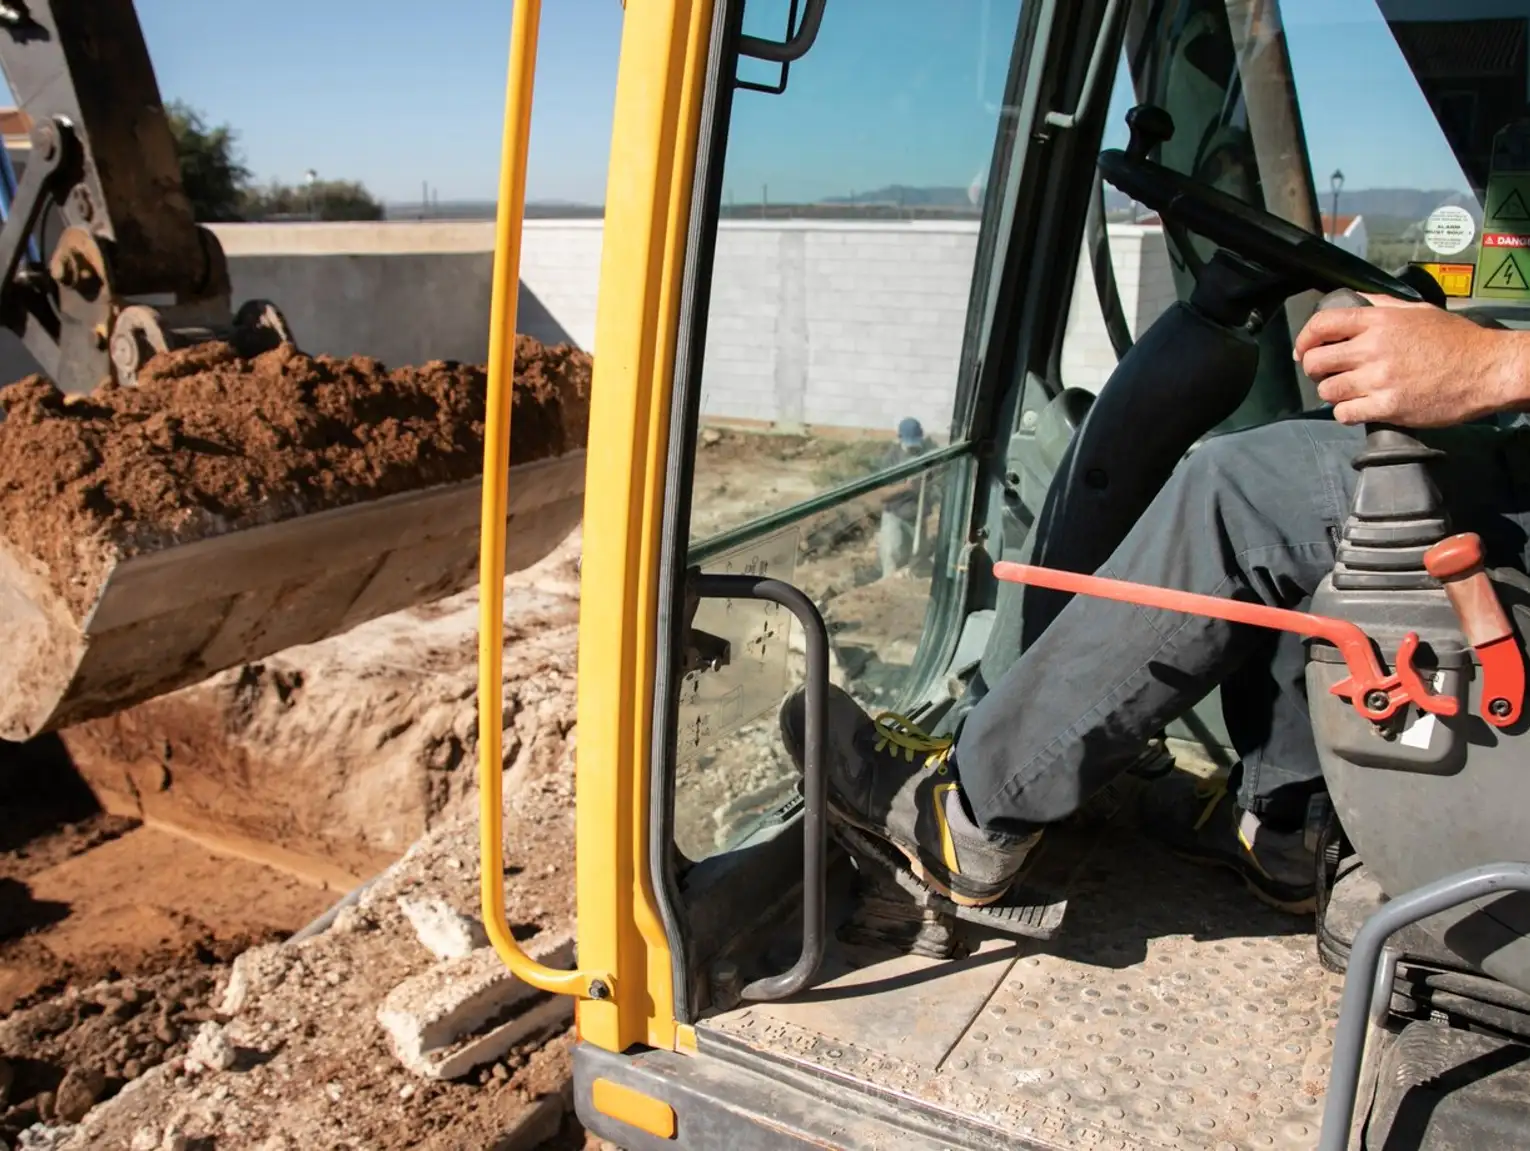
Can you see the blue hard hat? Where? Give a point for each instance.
(910, 432)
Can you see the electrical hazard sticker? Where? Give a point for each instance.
(1504, 275)
(1503, 260)
(1507, 204)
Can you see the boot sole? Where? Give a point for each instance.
(1302, 905)
(920, 869)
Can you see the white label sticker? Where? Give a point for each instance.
(1449, 230)
(1419, 732)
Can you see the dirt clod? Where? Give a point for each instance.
(209, 442)
(70, 1051)
(78, 1093)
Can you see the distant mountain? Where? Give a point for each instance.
(485, 210)
(1398, 203)
(905, 194)
(1403, 204)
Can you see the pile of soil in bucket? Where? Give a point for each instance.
(209, 442)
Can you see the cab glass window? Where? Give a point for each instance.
(846, 251)
(831, 450)
(1400, 123)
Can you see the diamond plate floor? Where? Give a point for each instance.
(1172, 1011)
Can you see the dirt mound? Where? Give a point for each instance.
(351, 748)
(159, 918)
(81, 1047)
(209, 442)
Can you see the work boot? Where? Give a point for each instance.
(892, 780)
(1198, 820)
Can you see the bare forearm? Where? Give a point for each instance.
(1510, 384)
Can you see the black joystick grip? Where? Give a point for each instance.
(1343, 298)
(1150, 126)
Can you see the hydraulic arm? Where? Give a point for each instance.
(102, 263)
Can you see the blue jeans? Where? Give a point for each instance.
(1255, 515)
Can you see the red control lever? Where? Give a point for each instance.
(1457, 564)
(1372, 692)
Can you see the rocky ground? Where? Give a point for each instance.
(246, 806)
(122, 1032)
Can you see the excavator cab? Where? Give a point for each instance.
(1121, 282)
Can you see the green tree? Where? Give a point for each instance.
(212, 173)
(220, 189)
(322, 200)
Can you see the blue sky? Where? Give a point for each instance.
(896, 92)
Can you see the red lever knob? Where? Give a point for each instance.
(1454, 557)
(1457, 563)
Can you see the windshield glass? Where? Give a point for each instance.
(1415, 118)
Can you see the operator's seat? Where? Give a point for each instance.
(1424, 795)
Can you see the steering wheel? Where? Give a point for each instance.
(1277, 245)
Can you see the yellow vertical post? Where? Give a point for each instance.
(505, 292)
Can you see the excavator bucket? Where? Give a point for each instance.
(187, 491)
(153, 536)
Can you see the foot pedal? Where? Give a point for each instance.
(1024, 911)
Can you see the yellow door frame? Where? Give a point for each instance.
(624, 981)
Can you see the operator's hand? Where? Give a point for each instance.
(1412, 364)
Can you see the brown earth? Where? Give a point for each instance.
(111, 938)
(313, 1067)
(360, 744)
(343, 752)
(159, 918)
(209, 442)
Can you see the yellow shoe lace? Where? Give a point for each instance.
(902, 735)
(1212, 791)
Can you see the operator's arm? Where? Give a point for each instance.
(1413, 364)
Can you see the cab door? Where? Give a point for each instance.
(884, 241)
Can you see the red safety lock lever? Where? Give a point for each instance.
(1457, 563)
(1373, 692)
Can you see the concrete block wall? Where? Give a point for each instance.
(840, 324)
(1145, 280)
(818, 323)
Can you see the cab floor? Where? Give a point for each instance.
(1172, 1010)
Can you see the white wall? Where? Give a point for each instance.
(826, 323)
(1145, 281)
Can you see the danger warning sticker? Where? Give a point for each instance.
(1503, 260)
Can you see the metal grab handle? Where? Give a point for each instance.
(1361, 980)
(503, 296)
(1094, 77)
(814, 779)
(785, 52)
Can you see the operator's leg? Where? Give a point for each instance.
(1253, 516)
(1264, 704)
(1257, 827)
(1250, 515)
(1255, 823)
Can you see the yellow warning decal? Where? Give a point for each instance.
(1454, 279)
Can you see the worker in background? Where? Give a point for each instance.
(1252, 514)
(904, 538)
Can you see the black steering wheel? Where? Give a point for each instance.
(1276, 245)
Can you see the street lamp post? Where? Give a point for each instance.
(310, 178)
(1337, 182)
